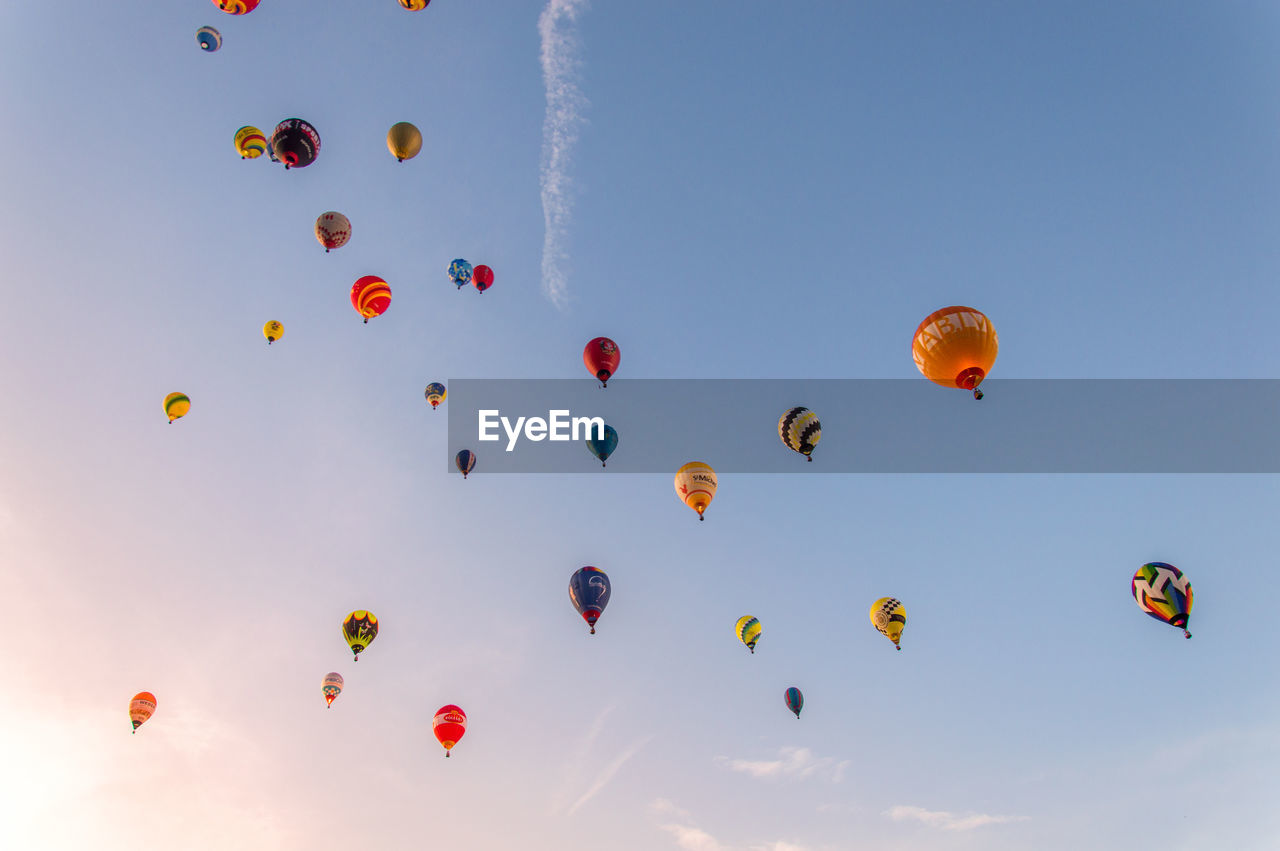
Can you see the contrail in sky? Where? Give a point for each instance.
(560, 127)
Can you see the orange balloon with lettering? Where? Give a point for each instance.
(956, 347)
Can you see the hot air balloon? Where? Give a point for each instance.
(404, 141)
(800, 431)
(795, 700)
(436, 394)
(956, 347)
(465, 462)
(1164, 592)
(696, 485)
(332, 687)
(415, 5)
(889, 616)
(460, 272)
(482, 277)
(209, 39)
(748, 631)
(601, 357)
(250, 143)
(602, 447)
(176, 405)
(450, 724)
(589, 593)
(236, 7)
(273, 331)
(295, 143)
(142, 707)
(333, 230)
(271, 153)
(360, 629)
(370, 296)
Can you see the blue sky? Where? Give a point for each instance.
(766, 191)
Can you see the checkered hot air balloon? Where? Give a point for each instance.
(1164, 592)
(331, 687)
(889, 616)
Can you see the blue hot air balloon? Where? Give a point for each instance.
(466, 461)
(602, 448)
(795, 700)
(460, 272)
(209, 39)
(589, 593)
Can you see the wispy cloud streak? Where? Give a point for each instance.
(791, 762)
(947, 820)
(606, 774)
(561, 64)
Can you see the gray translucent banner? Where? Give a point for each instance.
(882, 425)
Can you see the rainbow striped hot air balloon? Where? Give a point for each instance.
(370, 296)
(795, 700)
(176, 405)
(250, 143)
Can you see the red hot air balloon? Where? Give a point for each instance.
(482, 277)
(601, 357)
(370, 296)
(449, 725)
(236, 7)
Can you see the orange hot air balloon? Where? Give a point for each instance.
(449, 726)
(142, 707)
(370, 296)
(956, 347)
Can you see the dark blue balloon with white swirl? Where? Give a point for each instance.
(589, 592)
(209, 39)
(465, 461)
(602, 447)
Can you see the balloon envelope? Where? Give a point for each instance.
(800, 431)
(460, 272)
(360, 629)
(601, 357)
(141, 707)
(295, 143)
(696, 485)
(370, 296)
(465, 461)
(176, 405)
(333, 230)
(250, 143)
(482, 277)
(748, 631)
(589, 592)
(436, 393)
(956, 347)
(889, 616)
(404, 141)
(795, 700)
(209, 39)
(415, 5)
(1164, 592)
(331, 686)
(236, 7)
(449, 726)
(602, 447)
(273, 331)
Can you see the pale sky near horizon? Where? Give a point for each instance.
(758, 191)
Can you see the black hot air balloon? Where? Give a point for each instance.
(295, 143)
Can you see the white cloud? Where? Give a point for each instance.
(606, 774)
(947, 820)
(560, 129)
(679, 823)
(692, 838)
(791, 762)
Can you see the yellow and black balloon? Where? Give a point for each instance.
(748, 631)
(273, 331)
(889, 616)
(360, 629)
(800, 431)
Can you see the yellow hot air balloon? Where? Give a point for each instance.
(273, 331)
(956, 347)
(404, 141)
(415, 5)
(250, 143)
(748, 631)
(696, 485)
(889, 616)
(176, 405)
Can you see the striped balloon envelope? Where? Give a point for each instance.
(209, 39)
(176, 405)
(748, 631)
(370, 296)
(465, 461)
(1164, 593)
(449, 725)
(889, 616)
(800, 431)
(250, 143)
(795, 700)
